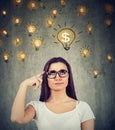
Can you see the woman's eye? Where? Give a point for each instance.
(63, 71)
(52, 73)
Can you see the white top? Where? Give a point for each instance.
(48, 120)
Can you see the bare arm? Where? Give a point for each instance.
(88, 125)
(19, 113)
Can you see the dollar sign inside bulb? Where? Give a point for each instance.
(66, 37)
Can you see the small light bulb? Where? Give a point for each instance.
(16, 21)
(82, 10)
(21, 56)
(6, 56)
(95, 73)
(63, 3)
(37, 43)
(54, 12)
(109, 58)
(30, 29)
(4, 33)
(4, 12)
(50, 22)
(89, 28)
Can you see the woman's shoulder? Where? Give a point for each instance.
(84, 111)
(83, 104)
(84, 107)
(36, 104)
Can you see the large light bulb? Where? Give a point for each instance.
(66, 36)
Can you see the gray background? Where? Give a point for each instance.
(98, 92)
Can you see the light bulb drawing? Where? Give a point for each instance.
(66, 36)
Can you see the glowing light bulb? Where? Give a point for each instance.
(21, 56)
(4, 32)
(31, 28)
(109, 58)
(82, 10)
(54, 12)
(17, 41)
(4, 12)
(49, 22)
(108, 22)
(66, 36)
(95, 72)
(90, 28)
(17, 21)
(32, 5)
(63, 3)
(6, 56)
(37, 43)
(17, 2)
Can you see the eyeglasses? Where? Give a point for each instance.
(52, 74)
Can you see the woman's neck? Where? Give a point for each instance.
(58, 97)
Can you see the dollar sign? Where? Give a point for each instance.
(66, 37)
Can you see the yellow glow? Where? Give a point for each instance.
(49, 22)
(17, 2)
(108, 22)
(31, 28)
(66, 36)
(37, 43)
(6, 56)
(17, 20)
(82, 10)
(95, 72)
(4, 12)
(109, 58)
(63, 3)
(32, 5)
(90, 28)
(21, 56)
(4, 32)
(17, 41)
(54, 12)
(85, 52)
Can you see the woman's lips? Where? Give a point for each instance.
(60, 83)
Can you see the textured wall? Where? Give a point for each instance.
(98, 92)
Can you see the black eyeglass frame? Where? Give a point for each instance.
(57, 72)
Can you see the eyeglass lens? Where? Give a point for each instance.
(62, 73)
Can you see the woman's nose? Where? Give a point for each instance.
(57, 76)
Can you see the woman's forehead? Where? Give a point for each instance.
(57, 66)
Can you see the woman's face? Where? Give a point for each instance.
(57, 76)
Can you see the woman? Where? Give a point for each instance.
(58, 107)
